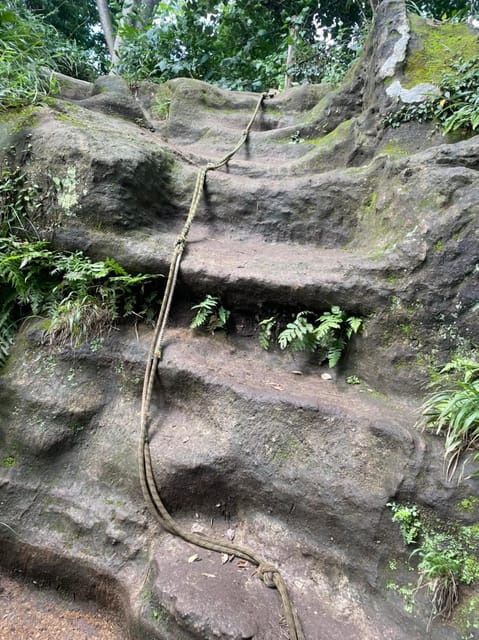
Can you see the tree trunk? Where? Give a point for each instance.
(291, 53)
(130, 9)
(107, 25)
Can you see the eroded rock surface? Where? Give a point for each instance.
(322, 206)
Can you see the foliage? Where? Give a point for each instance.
(448, 556)
(267, 328)
(453, 411)
(30, 50)
(409, 521)
(25, 60)
(329, 56)
(76, 45)
(80, 297)
(72, 60)
(210, 315)
(73, 19)
(444, 9)
(243, 44)
(457, 105)
(329, 333)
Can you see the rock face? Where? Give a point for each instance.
(322, 206)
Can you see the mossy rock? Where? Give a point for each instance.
(434, 47)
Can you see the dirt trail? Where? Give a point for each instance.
(29, 611)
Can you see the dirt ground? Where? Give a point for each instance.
(29, 611)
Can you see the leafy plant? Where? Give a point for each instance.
(242, 45)
(409, 521)
(299, 334)
(328, 333)
(454, 411)
(30, 50)
(457, 105)
(447, 553)
(81, 298)
(210, 315)
(330, 54)
(18, 199)
(25, 61)
(267, 328)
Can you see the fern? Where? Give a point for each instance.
(355, 325)
(80, 297)
(210, 315)
(205, 308)
(329, 323)
(328, 334)
(334, 353)
(266, 331)
(8, 329)
(299, 335)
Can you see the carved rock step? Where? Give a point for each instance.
(241, 428)
(248, 270)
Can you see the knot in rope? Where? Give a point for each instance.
(266, 573)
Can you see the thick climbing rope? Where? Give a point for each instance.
(269, 574)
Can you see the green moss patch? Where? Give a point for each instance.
(466, 617)
(438, 45)
(394, 148)
(337, 135)
(15, 120)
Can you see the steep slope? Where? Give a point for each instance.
(321, 207)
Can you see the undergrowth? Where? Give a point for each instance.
(456, 107)
(327, 334)
(30, 49)
(447, 557)
(79, 298)
(453, 411)
(210, 315)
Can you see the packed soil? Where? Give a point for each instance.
(29, 611)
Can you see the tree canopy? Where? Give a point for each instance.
(236, 44)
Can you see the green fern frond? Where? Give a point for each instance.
(200, 318)
(223, 316)
(335, 351)
(8, 330)
(298, 335)
(210, 314)
(354, 323)
(266, 330)
(330, 333)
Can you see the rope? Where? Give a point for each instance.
(269, 574)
